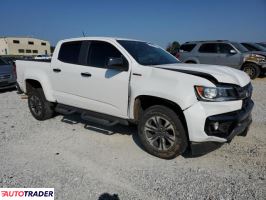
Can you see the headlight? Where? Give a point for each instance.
(216, 93)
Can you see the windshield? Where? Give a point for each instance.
(262, 45)
(259, 47)
(240, 47)
(147, 54)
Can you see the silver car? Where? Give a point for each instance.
(7, 75)
(223, 52)
(254, 47)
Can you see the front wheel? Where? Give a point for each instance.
(39, 107)
(252, 70)
(162, 133)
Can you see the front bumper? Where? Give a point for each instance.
(233, 117)
(230, 124)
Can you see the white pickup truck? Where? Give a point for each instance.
(109, 80)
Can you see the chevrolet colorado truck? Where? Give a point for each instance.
(176, 106)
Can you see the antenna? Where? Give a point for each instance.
(83, 34)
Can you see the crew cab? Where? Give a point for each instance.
(176, 106)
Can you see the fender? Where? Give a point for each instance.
(44, 81)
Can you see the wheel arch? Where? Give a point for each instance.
(143, 102)
(32, 83)
(249, 62)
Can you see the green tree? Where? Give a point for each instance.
(173, 47)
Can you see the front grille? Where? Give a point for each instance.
(5, 76)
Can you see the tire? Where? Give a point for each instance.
(39, 107)
(166, 143)
(251, 69)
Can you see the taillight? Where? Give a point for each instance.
(14, 70)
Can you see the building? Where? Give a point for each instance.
(23, 46)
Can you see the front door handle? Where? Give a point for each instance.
(86, 74)
(57, 70)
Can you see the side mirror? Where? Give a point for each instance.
(232, 51)
(117, 63)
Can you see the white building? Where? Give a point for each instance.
(23, 46)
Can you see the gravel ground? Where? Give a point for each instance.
(84, 161)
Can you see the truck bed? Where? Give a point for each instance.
(36, 68)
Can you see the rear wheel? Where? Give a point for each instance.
(162, 133)
(252, 70)
(39, 107)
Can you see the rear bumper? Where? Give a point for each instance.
(7, 84)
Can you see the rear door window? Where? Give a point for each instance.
(187, 47)
(69, 52)
(208, 48)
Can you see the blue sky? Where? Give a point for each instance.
(157, 21)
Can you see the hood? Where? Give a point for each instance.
(5, 69)
(213, 73)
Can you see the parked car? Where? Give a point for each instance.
(7, 75)
(42, 57)
(9, 59)
(262, 44)
(223, 52)
(110, 81)
(254, 47)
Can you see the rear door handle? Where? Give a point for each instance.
(86, 74)
(57, 70)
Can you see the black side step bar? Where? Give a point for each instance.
(92, 116)
(96, 120)
(65, 110)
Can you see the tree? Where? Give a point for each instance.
(173, 47)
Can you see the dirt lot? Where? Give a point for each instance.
(84, 161)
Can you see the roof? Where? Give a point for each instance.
(207, 41)
(98, 38)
